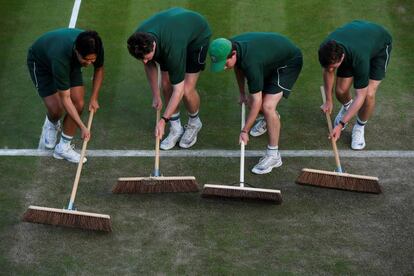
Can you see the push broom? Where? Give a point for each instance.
(70, 217)
(241, 192)
(156, 183)
(338, 179)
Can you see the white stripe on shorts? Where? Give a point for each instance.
(34, 73)
(386, 61)
(278, 78)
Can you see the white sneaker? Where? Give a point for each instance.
(49, 133)
(267, 163)
(190, 135)
(67, 151)
(259, 128)
(172, 138)
(358, 140)
(340, 115)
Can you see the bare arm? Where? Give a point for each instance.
(328, 82)
(241, 83)
(98, 77)
(73, 113)
(151, 71)
(177, 95)
(360, 95)
(256, 104)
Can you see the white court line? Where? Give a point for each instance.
(75, 12)
(219, 153)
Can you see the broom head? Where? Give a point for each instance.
(342, 181)
(155, 184)
(242, 193)
(68, 218)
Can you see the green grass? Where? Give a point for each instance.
(314, 231)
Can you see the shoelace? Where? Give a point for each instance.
(189, 135)
(265, 160)
(261, 125)
(357, 135)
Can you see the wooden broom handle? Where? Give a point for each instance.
(328, 119)
(243, 118)
(157, 139)
(80, 165)
(157, 148)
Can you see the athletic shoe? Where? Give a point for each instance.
(267, 163)
(49, 133)
(172, 138)
(67, 151)
(340, 115)
(259, 128)
(190, 135)
(358, 140)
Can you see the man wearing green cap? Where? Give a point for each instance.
(359, 52)
(270, 63)
(178, 40)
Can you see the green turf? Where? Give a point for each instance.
(126, 119)
(314, 231)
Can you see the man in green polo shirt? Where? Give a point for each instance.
(177, 39)
(55, 61)
(359, 52)
(270, 63)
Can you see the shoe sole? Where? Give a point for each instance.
(257, 135)
(268, 170)
(188, 146)
(57, 156)
(361, 148)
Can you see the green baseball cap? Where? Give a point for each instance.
(219, 49)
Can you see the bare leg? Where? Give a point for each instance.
(369, 105)
(77, 96)
(270, 102)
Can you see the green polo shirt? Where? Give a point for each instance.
(260, 54)
(53, 51)
(361, 41)
(176, 31)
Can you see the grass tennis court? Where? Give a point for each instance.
(314, 231)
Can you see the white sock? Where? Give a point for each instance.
(360, 123)
(175, 121)
(272, 150)
(348, 104)
(51, 123)
(65, 140)
(193, 118)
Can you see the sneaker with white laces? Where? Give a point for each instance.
(267, 163)
(358, 139)
(259, 128)
(172, 138)
(49, 133)
(67, 151)
(190, 134)
(341, 114)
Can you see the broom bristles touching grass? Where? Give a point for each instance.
(342, 181)
(242, 193)
(155, 184)
(68, 218)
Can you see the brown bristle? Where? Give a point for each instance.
(155, 185)
(252, 194)
(67, 218)
(339, 181)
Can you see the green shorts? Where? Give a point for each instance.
(377, 65)
(196, 58)
(284, 77)
(43, 78)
